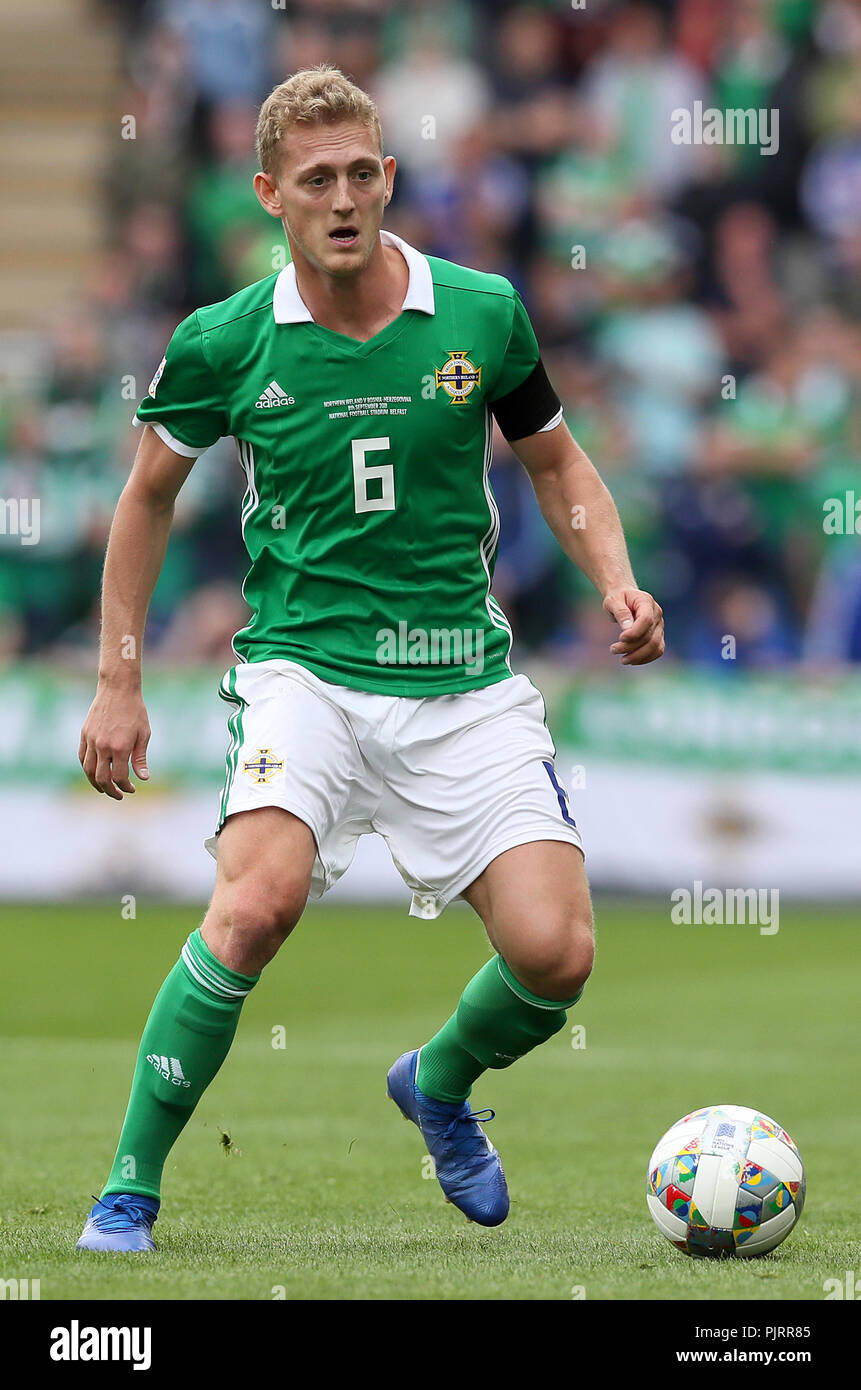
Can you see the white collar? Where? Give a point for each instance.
(288, 306)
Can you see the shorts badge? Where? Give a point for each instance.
(264, 766)
(157, 378)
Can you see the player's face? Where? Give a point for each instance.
(330, 190)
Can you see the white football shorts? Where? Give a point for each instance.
(449, 781)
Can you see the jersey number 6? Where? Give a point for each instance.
(364, 473)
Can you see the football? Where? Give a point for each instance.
(724, 1181)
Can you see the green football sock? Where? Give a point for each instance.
(496, 1022)
(186, 1038)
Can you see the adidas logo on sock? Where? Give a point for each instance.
(273, 396)
(168, 1067)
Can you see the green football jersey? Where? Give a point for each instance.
(368, 515)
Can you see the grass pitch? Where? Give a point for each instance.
(297, 1178)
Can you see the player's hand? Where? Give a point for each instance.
(642, 626)
(115, 729)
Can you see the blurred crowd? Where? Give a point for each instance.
(696, 303)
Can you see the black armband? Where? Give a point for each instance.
(529, 407)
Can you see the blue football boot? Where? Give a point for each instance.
(120, 1221)
(468, 1167)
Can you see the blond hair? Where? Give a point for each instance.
(320, 95)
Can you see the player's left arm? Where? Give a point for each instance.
(582, 515)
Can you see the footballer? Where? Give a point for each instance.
(372, 690)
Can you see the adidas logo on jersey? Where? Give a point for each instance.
(170, 1068)
(272, 397)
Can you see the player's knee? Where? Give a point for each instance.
(558, 964)
(562, 979)
(575, 966)
(264, 911)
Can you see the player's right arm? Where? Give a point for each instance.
(183, 414)
(116, 727)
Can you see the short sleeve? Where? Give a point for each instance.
(183, 404)
(521, 352)
(523, 401)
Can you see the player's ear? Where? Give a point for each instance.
(389, 167)
(267, 194)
